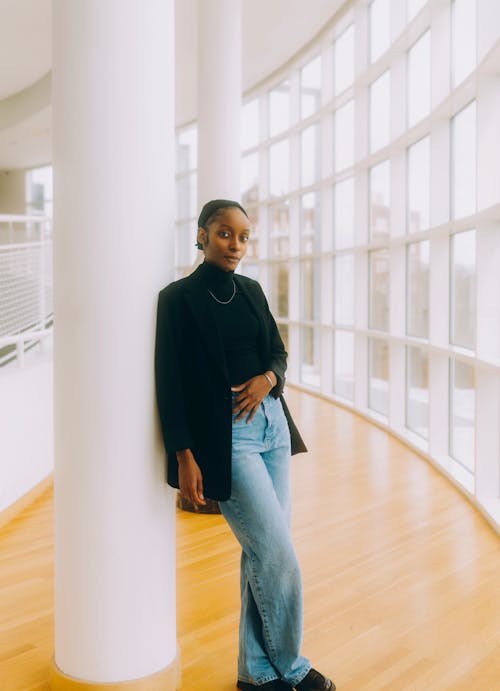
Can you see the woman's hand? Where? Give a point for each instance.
(190, 478)
(252, 393)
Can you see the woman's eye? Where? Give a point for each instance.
(244, 238)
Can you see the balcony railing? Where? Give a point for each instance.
(26, 296)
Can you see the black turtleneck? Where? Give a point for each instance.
(237, 323)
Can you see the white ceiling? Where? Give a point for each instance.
(273, 32)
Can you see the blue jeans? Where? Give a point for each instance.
(258, 512)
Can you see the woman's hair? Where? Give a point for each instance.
(211, 212)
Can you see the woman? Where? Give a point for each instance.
(220, 370)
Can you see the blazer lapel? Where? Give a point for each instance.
(198, 299)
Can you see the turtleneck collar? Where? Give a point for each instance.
(217, 280)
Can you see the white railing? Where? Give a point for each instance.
(26, 299)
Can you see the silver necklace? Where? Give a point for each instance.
(224, 302)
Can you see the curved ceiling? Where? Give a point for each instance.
(273, 32)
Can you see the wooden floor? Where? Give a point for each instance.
(401, 574)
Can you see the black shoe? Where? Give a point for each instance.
(275, 685)
(314, 681)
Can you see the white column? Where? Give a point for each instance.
(113, 125)
(219, 99)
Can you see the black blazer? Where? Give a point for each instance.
(192, 382)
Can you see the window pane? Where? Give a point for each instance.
(463, 288)
(186, 196)
(418, 186)
(380, 112)
(279, 289)
(464, 162)
(462, 397)
(344, 136)
(379, 290)
(39, 195)
(380, 200)
(378, 376)
(344, 213)
(283, 329)
(419, 79)
(250, 124)
(310, 289)
(417, 391)
(310, 223)
(344, 289)
(380, 28)
(253, 243)
(343, 55)
(279, 217)
(187, 149)
(463, 39)
(250, 179)
(310, 155)
(344, 364)
(417, 320)
(279, 108)
(310, 356)
(279, 168)
(310, 87)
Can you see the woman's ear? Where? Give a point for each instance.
(202, 237)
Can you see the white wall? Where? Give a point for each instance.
(12, 191)
(26, 438)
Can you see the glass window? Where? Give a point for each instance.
(279, 216)
(379, 289)
(462, 405)
(187, 149)
(310, 161)
(343, 383)
(186, 196)
(310, 356)
(39, 191)
(344, 289)
(253, 242)
(279, 108)
(279, 289)
(250, 124)
(380, 28)
(283, 329)
(419, 173)
(419, 79)
(463, 288)
(250, 179)
(343, 55)
(344, 136)
(380, 112)
(380, 200)
(310, 225)
(417, 313)
(463, 183)
(279, 168)
(343, 202)
(417, 391)
(310, 87)
(463, 39)
(378, 376)
(310, 289)
(414, 7)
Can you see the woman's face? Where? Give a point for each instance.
(226, 241)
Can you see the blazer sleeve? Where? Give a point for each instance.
(277, 361)
(169, 369)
